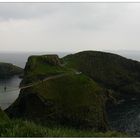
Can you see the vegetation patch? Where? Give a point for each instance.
(22, 128)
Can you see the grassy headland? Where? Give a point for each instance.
(79, 100)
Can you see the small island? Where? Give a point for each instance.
(7, 70)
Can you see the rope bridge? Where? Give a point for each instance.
(36, 83)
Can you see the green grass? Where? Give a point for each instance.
(110, 70)
(3, 117)
(37, 68)
(76, 98)
(20, 128)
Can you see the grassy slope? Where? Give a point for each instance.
(3, 117)
(37, 68)
(76, 99)
(110, 70)
(21, 128)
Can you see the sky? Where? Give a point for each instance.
(64, 27)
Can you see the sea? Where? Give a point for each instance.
(131, 123)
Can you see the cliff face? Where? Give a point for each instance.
(70, 98)
(34, 61)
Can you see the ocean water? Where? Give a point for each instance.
(10, 95)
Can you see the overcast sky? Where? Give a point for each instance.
(69, 26)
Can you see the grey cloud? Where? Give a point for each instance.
(25, 10)
(69, 26)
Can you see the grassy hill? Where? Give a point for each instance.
(109, 70)
(3, 117)
(71, 100)
(22, 128)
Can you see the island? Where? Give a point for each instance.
(8, 70)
